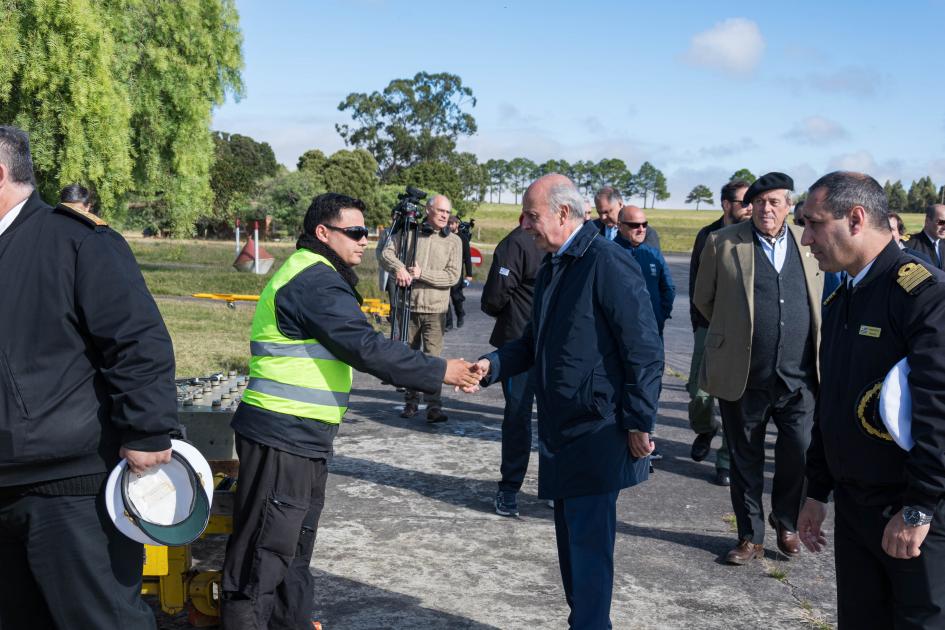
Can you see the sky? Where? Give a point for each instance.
(699, 89)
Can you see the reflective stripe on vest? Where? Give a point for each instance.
(298, 377)
(275, 349)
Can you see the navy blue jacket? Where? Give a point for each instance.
(597, 360)
(659, 282)
(86, 364)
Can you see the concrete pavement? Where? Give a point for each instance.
(409, 539)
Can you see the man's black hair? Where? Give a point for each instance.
(326, 210)
(15, 154)
(75, 193)
(845, 189)
(728, 190)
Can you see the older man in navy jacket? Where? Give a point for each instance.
(597, 358)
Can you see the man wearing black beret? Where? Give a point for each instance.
(760, 290)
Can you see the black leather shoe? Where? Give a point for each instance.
(459, 322)
(436, 415)
(722, 477)
(410, 410)
(702, 445)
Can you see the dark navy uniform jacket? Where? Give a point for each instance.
(86, 364)
(597, 359)
(896, 311)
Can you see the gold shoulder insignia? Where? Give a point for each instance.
(905, 237)
(75, 210)
(912, 276)
(830, 298)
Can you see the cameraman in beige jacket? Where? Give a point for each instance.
(436, 269)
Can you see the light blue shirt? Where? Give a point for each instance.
(568, 242)
(777, 251)
(865, 270)
(610, 233)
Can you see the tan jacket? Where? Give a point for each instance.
(724, 294)
(440, 260)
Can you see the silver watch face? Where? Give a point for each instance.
(915, 517)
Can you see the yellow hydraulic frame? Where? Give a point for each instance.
(168, 574)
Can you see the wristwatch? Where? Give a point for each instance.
(914, 517)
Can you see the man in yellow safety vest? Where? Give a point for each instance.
(308, 335)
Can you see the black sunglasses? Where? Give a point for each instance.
(355, 232)
(634, 225)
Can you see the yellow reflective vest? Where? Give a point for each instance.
(298, 377)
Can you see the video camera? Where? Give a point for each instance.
(405, 221)
(407, 210)
(465, 228)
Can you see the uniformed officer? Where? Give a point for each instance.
(86, 376)
(889, 503)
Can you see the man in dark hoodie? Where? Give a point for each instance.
(86, 377)
(308, 335)
(507, 296)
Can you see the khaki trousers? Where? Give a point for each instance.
(425, 332)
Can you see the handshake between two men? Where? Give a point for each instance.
(467, 377)
(464, 375)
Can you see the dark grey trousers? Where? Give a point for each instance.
(745, 422)
(266, 577)
(66, 566)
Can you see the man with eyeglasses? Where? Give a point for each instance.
(608, 203)
(701, 403)
(929, 240)
(308, 335)
(632, 227)
(760, 289)
(436, 269)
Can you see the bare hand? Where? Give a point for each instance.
(140, 461)
(414, 272)
(403, 278)
(483, 366)
(640, 444)
(902, 541)
(808, 525)
(463, 375)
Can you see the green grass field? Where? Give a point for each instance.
(677, 228)
(209, 336)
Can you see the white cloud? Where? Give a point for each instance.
(852, 80)
(512, 116)
(593, 125)
(862, 161)
(817, 130)
(733, 46)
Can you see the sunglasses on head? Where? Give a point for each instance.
(633, 225)
(355, 232)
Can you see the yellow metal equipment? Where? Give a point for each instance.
(371, 306)
(229, 298)
(374, 306)
(169, 575)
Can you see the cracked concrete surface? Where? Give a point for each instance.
(409, 539)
